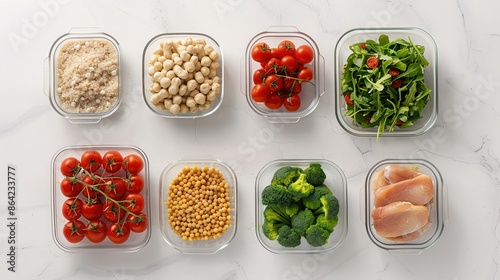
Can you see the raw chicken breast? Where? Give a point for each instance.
(396, 173)
(418, 191)
(413, 235)
(399, 219)
(378, 180)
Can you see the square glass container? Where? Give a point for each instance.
(136, 241)
(212, 245)
(153, 51)
(311, 91)
(91, 86)
(437, 208)
(335, 180)
(418, 37)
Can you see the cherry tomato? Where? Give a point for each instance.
(259, 76)
(274, 83)
(96, 231)
(286, 47)
(394, 72)
(289, 63)
(112, 161)
(304, 54)
(273, 66)
(261, 52)
(363, 45)
(74, 231)
(297, 88)
(135, 183)
(112, 212)
(133, 164)
(118, 233)
(292, 102)
(274, 101)
(115, 188)
(91, 160)
(399, 122)
(92, 210)
(260, 93)
(348, 99)
(372, 62)
(274, 52)
(397, 83)
(135, 202)
(306, 74)
(91, 181)
(72, 208)
(70, 187)
(70, 167)
(137, 223)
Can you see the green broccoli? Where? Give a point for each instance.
(285, 175)
(315, 174)
(301, 188)
(317, 236)
(270, 229)
(288, 237)
(302, 221)
(285, 211)
(274, 194)
(270, 214)
(328, 224)
(329, 206)
(312, 202)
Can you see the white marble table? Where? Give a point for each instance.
(462, 144)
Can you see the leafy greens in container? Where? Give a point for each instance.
(383, 83)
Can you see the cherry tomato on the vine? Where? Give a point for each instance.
(273, 66)
(292, 102)
(91, 160)
(72, 208)
(259, 76)
(92, 210)
(92, 182)
(306, 74)
(115, 188)
(74, 231)
(135, 202)
(118, 233)
(260, 93)
(274, 101)
(274, 83)
(112, 161)
(286, 47)
(112, 212)
(70, 187)
(133, 163)
(304, 54)
(96, 231)
(138, 222)
(289, 63)
(135, 183)
(261, 52)
(70, 167)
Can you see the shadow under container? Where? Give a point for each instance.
(152, 49)
(418, 37)
(335, 181)
(197, 247)
(437, 207)
(311, 90)
(90, 89)
(136, 240)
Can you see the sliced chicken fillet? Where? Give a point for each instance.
(399, 218)
(396, 173)
(418, 191)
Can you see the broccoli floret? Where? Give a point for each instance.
(312, 202)
(274, 194)
(315, 174)
(317, 236)
(291, 209)
(270, 214)
(329, 206)
(270, 229)
(301, 188)
(285, 175)
(328, 224)
(288, 237)
(302, 221)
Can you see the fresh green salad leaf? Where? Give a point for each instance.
(389, 93)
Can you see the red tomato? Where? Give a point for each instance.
(274, 101)
(115, 188)
(96, 231)
(93, 210)
(70, 187)
(260, 93)
(259, 76)
(394, 72)
(273, 66)
(397, 83)
(348, 99)
(297, 88)
(72, 208)
(135, 202)
(274, 52)
(306, 74)
(304, 54)
(91, 181)
(286, 47)
(261, 52)
(91, 160)
(133, 163)
(135, 183)
(137, 223)
(399, 122)
(289, 63)
(112, 161)
(112, 212)
(274, 83)
(70, 167)
(292, 102)
(291, 85)
(372, 62)
(118, 233)
(74, 231)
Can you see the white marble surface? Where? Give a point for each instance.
(461, 144)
